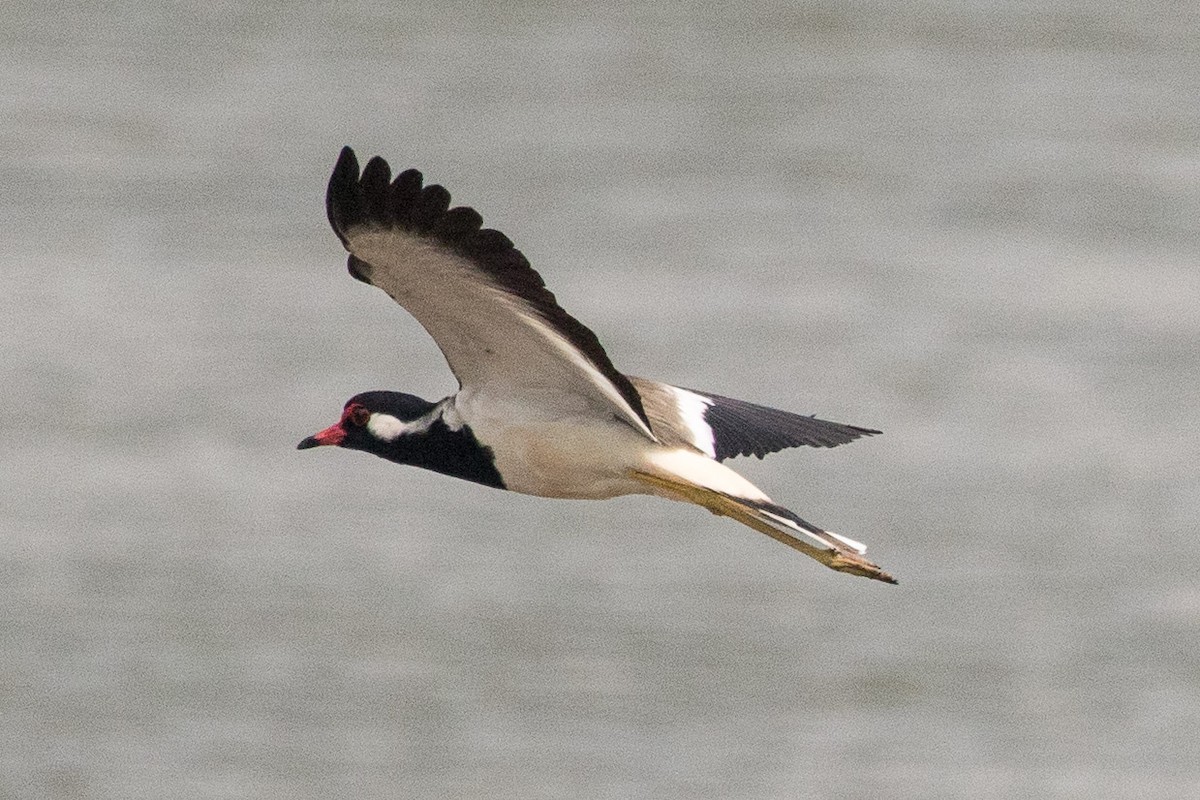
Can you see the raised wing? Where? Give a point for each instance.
(499, 327)
(723, 427)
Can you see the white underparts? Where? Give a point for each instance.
(692, 467)
(688, 466)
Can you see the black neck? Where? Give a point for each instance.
(440, 449)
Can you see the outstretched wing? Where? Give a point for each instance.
(723, 427)
(499, 327)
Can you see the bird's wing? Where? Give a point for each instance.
(723, 427)
(499, 327)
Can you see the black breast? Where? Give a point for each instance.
(456, 453)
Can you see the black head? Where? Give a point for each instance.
(374, 421)
(409, 430)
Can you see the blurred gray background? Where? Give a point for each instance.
(973, 225)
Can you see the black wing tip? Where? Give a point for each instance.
(347, 158)
(826, 440)
(853, 432)
(355, 198)
(742, 428)
(371, 195)
(343, 197)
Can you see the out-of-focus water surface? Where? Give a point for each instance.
(973, 225)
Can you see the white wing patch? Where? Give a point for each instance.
(691, 407)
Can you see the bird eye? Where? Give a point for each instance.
(358, 415)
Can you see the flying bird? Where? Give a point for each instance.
(540, 408)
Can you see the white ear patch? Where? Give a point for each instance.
(388, 428)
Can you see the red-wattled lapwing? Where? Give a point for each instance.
(540, 408)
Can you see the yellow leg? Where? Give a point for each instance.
(726, 506)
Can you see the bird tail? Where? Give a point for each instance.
(834, 551)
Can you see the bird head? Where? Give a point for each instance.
(375, 422)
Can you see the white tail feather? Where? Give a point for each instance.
(831, 550)
(858, 547)
(817, 535)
